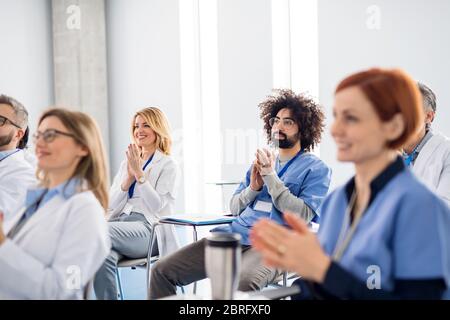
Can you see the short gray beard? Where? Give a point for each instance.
(5, 140)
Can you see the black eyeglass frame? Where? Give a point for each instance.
(54, 133)
(8, 120)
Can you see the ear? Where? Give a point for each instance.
(395, 127)
(429, 117)
(20, 133)
(83, 151)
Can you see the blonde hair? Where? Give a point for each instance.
(157, 120)
(93, 167)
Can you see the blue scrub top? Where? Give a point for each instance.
(307, 178)
(405, 231)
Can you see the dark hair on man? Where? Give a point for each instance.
(429, 98)
(306, 113)
(24, 141)
(21, 117)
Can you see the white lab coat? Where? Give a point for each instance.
(17, 174)
(432, 166)
(58, 250)
(154, 199)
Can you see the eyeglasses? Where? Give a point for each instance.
(50, 135)
(287, 123)
(3, 121)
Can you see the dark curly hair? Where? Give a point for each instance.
(306, 113)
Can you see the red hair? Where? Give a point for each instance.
(390, 91)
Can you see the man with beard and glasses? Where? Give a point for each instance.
(296, 181)
(16, 171)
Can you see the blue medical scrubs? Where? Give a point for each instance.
(307, 178)
(404, 233)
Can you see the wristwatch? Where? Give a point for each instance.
(141, 179)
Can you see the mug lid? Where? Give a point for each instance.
(224, 240)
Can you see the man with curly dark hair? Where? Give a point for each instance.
(295, 181)
(304, 112)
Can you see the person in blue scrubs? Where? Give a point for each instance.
(294, 180)
(383, 235)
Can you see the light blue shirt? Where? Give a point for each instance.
(7, 153)
(410, 158)
(307, 178)
(404, 233)
(66, 190)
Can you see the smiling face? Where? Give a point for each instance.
(143, 135)
(359, 133)
(61, 155)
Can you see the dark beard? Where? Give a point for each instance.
(6, 139)
(286, 143)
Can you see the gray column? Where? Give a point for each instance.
(79, 55)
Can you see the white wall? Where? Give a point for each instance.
(143, 66)
(413, 35)
(245, 66)
(144, 69)
(26, 71)
(144, 63)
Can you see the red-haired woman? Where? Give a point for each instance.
(383, 235)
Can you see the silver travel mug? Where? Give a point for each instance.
(223, 264)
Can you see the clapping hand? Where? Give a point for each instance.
(266, 161)
(295, 249)
(134, 161)
(134, 166)
(256, 181)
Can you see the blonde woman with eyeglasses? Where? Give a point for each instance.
(144, 189)
(52, 248)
